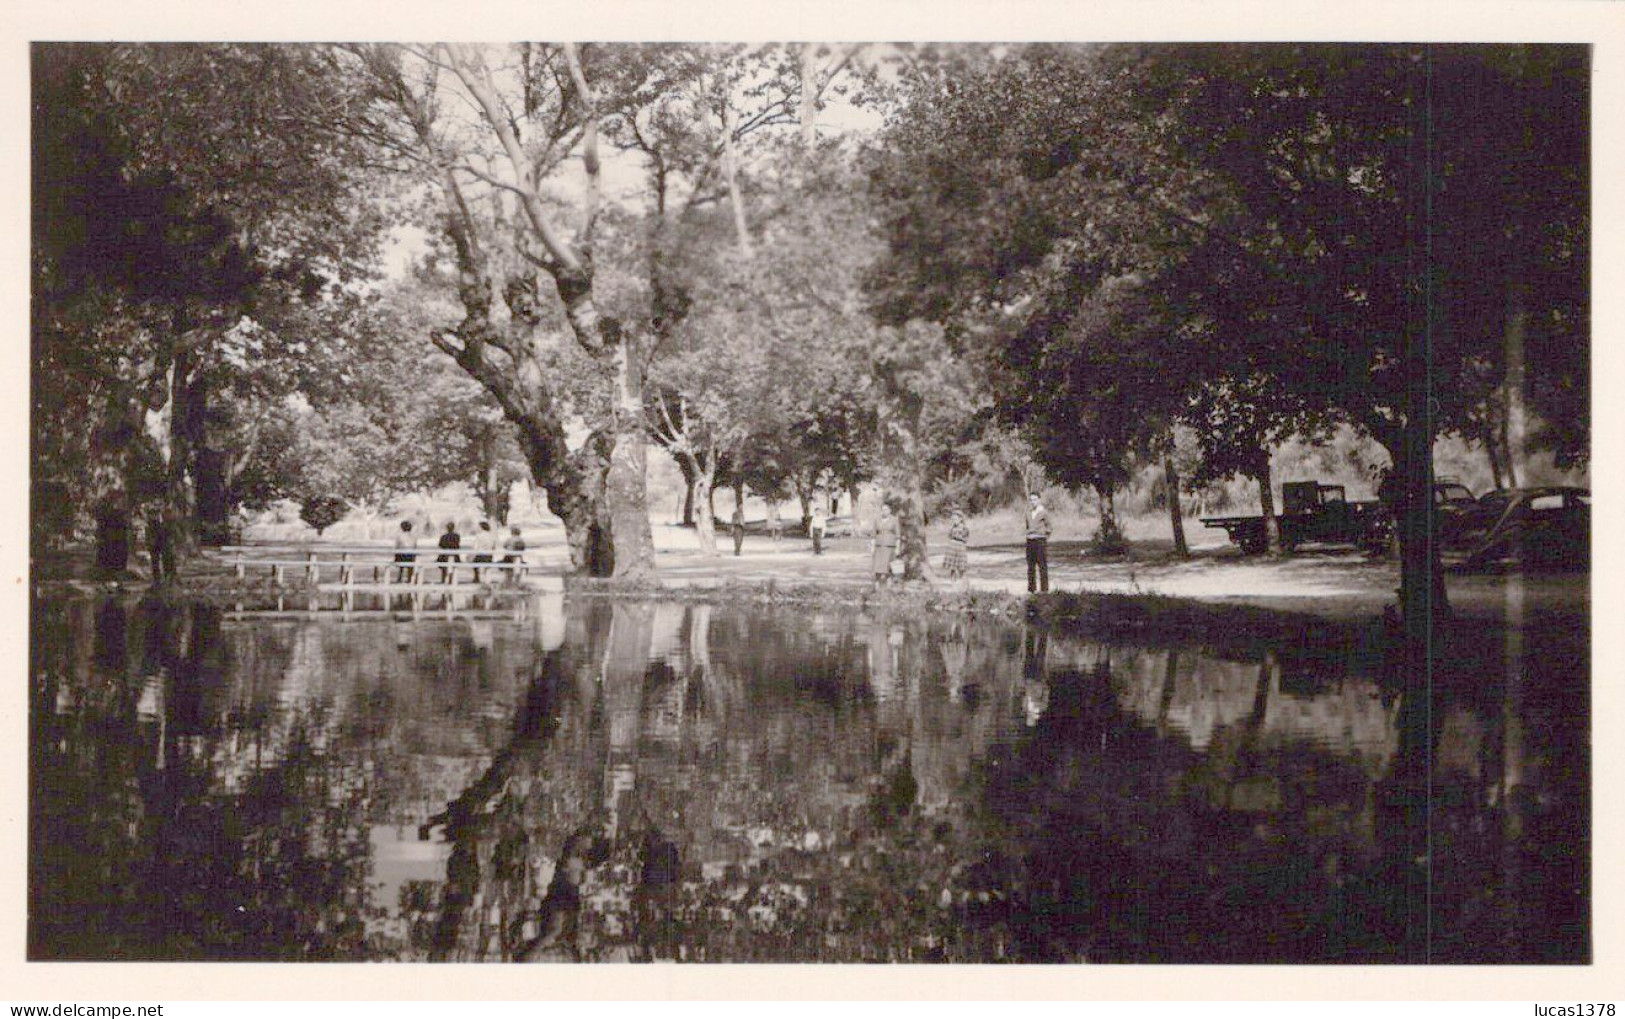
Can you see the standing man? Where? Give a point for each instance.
(815, 528)
(1038, 530)
(738, 527)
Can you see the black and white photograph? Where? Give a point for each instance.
(1061, 503)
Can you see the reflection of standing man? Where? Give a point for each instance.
(1038, 531)
(1035, 688)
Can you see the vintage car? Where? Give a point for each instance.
(1546, 526)
(1454, 508)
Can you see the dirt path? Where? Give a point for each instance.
(1338, 585)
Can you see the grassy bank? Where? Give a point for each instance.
(1124, 617)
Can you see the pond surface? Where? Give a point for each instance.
(621, 781)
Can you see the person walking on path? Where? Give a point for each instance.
(405, 540)
(738, 527)
(885, 546)
(451, 539)
(1038, 531)
(815, 528)
(953, 563)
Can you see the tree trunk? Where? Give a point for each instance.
(1266, 503)
(574, 483)
(1422, 595)
(1508, 461)
(112, 539)
(174, 429)
(807, 112)
(736, 201)
(1422, 598)
(493, 491)
(908, 502)
(213, 485)
(1515, 418)
(625, 485)
(700, 495)
(688, 501)
(1170, 477)
(1488, 438)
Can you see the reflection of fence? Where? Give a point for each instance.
(389, 566)
(353, 605)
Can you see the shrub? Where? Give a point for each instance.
(322, 512)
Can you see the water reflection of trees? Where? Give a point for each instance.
(643, 781)
(134, 852)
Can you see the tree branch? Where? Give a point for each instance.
(589, 145)
(476, 77)
(490, 179)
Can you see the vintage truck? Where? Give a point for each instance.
(1312, 513)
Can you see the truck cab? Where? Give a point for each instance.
(1308, 497)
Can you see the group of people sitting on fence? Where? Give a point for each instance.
(483, 547)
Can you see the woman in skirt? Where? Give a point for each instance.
(953, 563)
(884, 546)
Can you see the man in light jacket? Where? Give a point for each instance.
(1038, 529)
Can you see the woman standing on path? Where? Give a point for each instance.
(885, 545)
(953, 564)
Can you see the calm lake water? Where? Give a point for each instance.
(596, 781)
